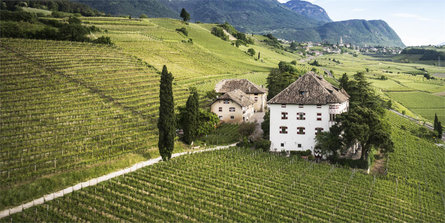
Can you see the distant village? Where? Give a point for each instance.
(319, 49)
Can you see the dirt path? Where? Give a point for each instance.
(378, 167)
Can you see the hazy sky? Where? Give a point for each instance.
(417, 22)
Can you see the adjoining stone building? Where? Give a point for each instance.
(233, 107)
(302, 110)
(257, 93)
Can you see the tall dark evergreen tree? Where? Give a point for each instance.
(439, 130)
(436, 121)
(185, 15)
(265, 125)
(191, 122)
(344, 81)
(166, 121)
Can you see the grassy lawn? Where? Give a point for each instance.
(421, 103)
(415, 93)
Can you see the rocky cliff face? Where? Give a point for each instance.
(308, 9)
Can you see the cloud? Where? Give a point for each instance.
(412, 16)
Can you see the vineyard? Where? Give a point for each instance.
(239, 185)
(67, 105)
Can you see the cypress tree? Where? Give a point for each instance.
(191, 121)
(439, 130)
(344, 82)
(185, 15)
(436, 122)
(166, 121)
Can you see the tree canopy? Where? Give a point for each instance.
(282, 77)
(185, 15)
(363, 123)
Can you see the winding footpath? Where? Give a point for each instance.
(92, 182)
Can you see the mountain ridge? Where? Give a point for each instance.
(308, 9)
(260, 17)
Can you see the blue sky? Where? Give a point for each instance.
(417, 22)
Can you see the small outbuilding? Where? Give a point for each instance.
(257, 93)
(234, 107)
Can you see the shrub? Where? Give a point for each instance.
(301, 153)
(103, 40)
(219, 32)
(18, 16)
(57, 14)
(246, 128)
(251, 52)
(183, 30)
(262, 144)
(361, 164)
(315, 63)
(272, 41)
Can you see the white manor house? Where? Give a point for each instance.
(302, 110)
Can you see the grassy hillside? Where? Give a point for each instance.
(414, 92)
(295, 21)
(69, 106)
(238, 185)
(247, 15)
(207, 59)
(71, 111)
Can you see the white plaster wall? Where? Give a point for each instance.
(292, 139)
(248, 112)
(238, 114)
(261, 103)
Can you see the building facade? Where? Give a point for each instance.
(256, 93)
(233, 107)
(302, 110)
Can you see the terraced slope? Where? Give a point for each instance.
(66, 105)
(208, 59)
(239, 185)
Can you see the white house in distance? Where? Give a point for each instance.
(302, 110)
(233, 107)
(257, 93)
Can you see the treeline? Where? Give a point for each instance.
(427, 54)
(52, 5)
(72, 30)
(242, 38)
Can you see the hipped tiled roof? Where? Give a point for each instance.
(244, 85)
(310, 89)
(238, 97)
